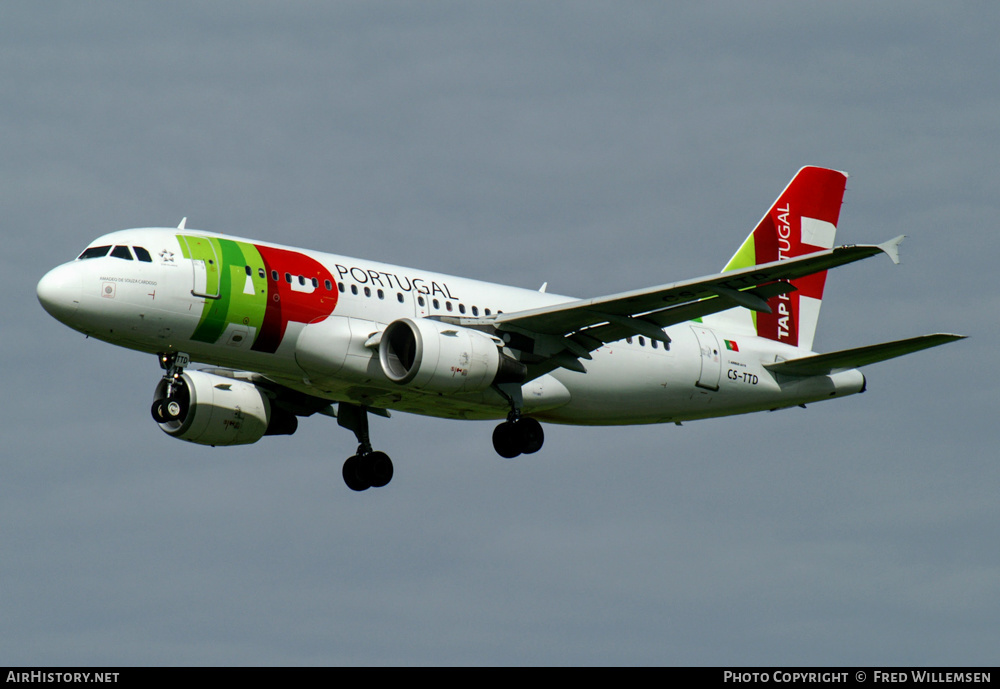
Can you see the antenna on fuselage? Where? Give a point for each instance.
(183, 223)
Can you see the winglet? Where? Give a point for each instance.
(183, 223)
(891, 247)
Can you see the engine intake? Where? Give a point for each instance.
(216, 410)
(438, 357)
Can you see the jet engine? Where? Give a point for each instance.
(208, 409)
(438, 357)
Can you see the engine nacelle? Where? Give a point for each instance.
(216, 410)
(438, 357)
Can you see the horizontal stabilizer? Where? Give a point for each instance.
(824, 364)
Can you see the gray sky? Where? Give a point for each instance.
(596, 146)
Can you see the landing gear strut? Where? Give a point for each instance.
(367, 468)
(518, 434)
(175, 400)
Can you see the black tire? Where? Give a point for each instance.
(158, 412)
(354, 475)
(505, 440)
(530, 435)
(379, 468)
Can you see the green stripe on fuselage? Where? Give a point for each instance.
(242, 298)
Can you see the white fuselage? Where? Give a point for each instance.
(307, 319)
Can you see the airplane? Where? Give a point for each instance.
(284, 333)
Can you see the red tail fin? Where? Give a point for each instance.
(803, 220)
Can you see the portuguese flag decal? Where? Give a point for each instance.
(732, 346)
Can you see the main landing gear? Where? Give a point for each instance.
(518, 434)
(172, 403)
(368, 468)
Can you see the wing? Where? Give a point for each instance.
(562, 334)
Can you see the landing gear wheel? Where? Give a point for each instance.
(354, 474)
(364, 471)
(529, 434)
(379, 468)
(173, 408)
(506, 441)
(159, 411)
(522, 436)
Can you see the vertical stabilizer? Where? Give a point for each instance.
(803, 220)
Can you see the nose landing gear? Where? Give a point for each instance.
(174, 403)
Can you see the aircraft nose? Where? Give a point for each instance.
(59, 292)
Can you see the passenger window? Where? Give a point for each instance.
(381, 294)
(328, 285)
(354, 289)
(487, 312)
(475, 310)
(302, 281)
(447, 305)
(274, 275)
(368, 291)
(421, 301)
(461, 308)
(399, 297)
(288, 278)
(142, 254)
(340, 287)
(315, 283)
(436, 303)
(261, 274)
(95, 252)
(122, 252)
(642, 341)
(249, 272)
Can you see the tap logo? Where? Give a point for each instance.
(256, 287)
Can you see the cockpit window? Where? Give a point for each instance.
(122, 252)
(142, 254)
(95, 252)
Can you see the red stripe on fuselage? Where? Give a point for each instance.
(286, 304)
